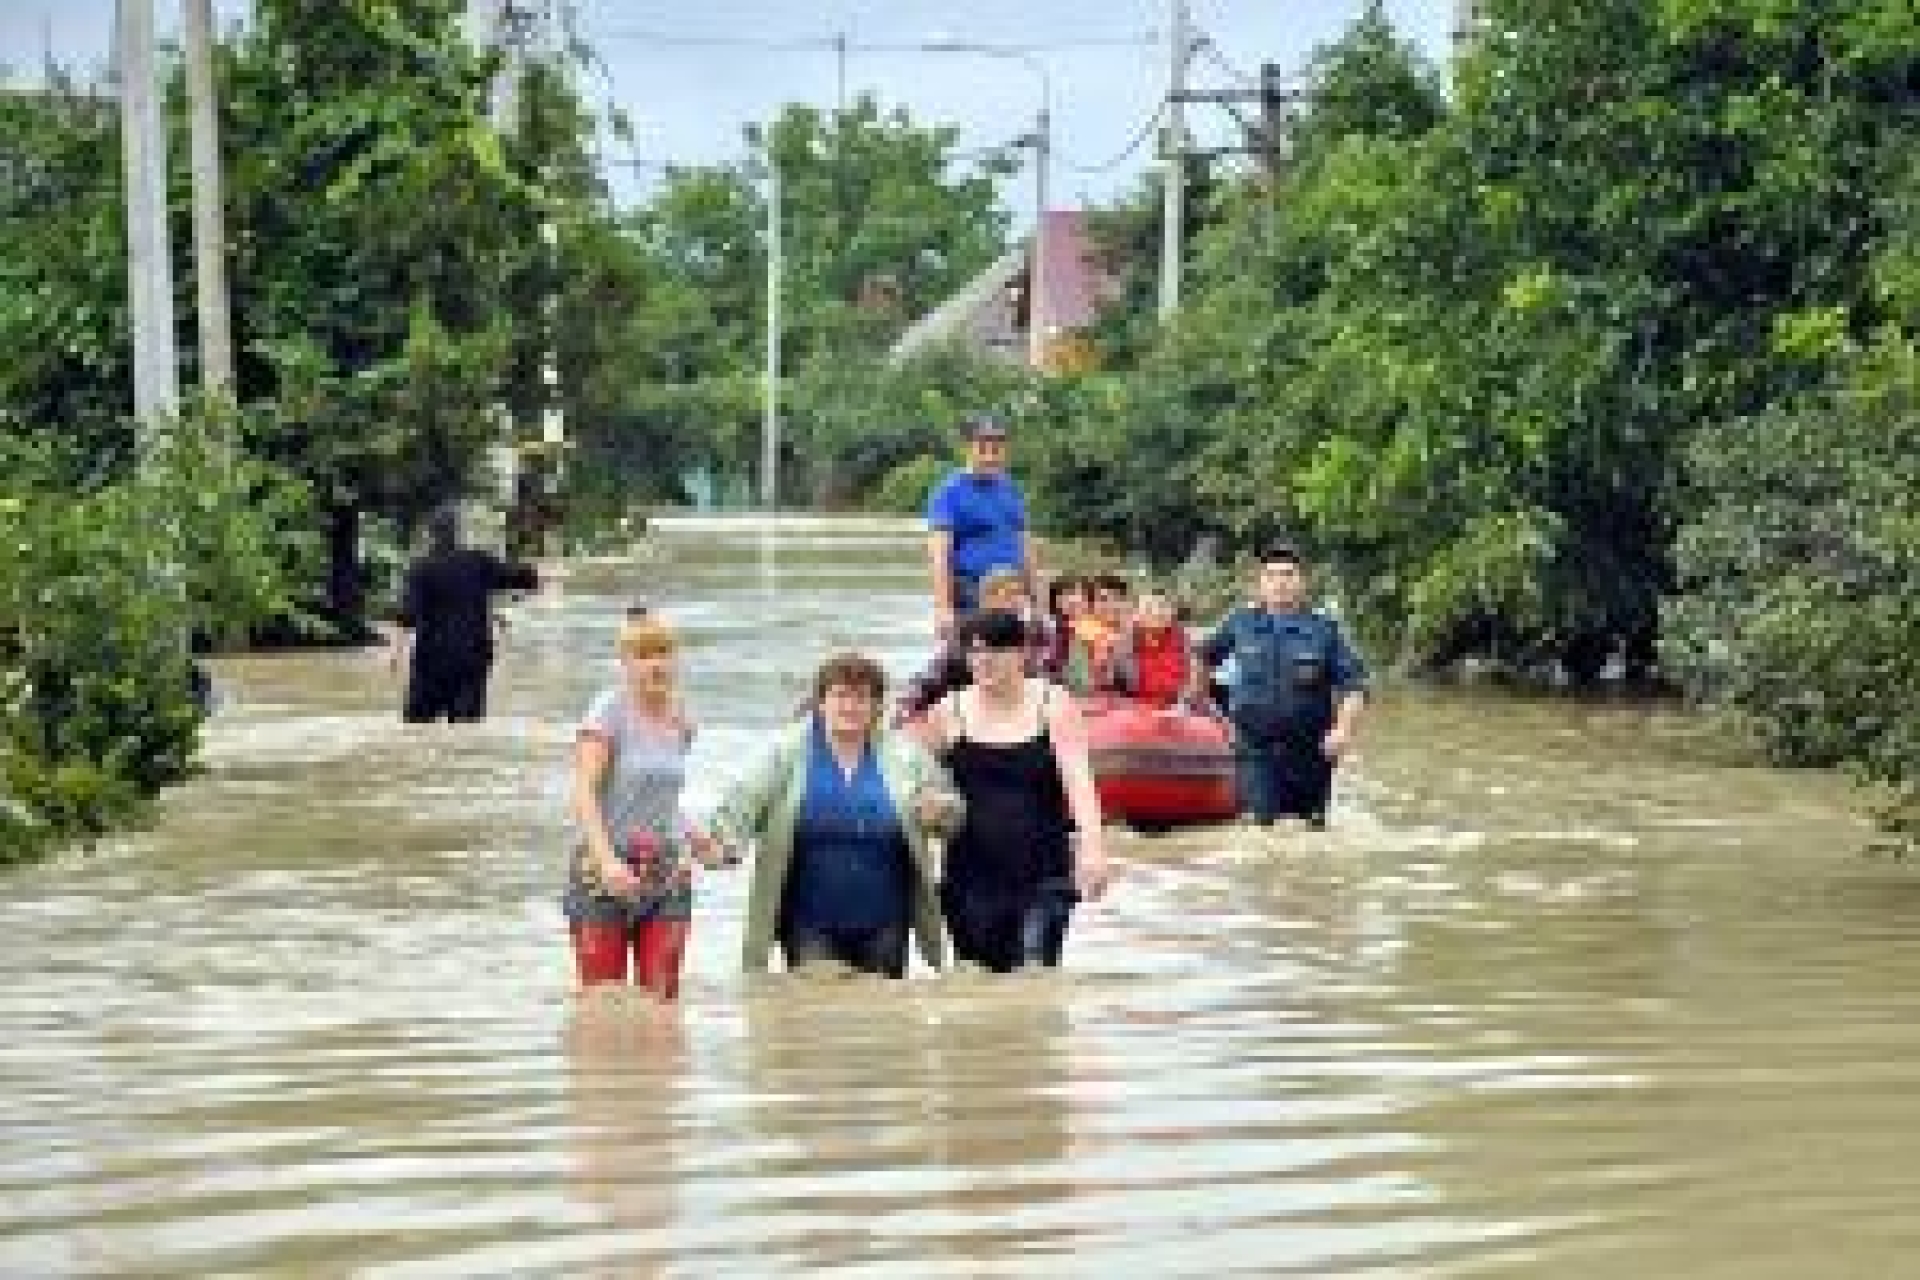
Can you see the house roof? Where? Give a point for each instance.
(955, 318)
(1073, 288)
(1073, 283)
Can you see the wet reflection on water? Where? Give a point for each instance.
(1559, 996)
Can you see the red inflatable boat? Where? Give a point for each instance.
(1157, 768)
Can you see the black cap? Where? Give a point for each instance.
(984, 426)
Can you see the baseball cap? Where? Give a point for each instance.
(984, 426)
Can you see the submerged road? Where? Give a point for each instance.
(1558, 996)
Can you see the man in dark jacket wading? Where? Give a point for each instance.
(446, 623)
(1297, 696)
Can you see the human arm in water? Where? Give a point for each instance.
(1350, 688)
(592, 757)
(514, 575)
(740, 818)
(405, 618)
(940, 566)
(938, 806)
(1030, 564)
(1202, 660)
(1067, 731)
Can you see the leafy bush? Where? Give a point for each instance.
(105, 591)
(1801, 578)
(904, 490)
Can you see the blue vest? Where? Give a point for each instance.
(1286, 670)
(850, 866)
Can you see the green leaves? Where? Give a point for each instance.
(882, 221)
(1461, 349)
(103, 590)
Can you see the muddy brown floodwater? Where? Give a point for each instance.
(1559, 996)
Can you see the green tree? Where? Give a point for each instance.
(101, 589)
(1800, 570)
(377, 225)
(882, 219)
(1461, 349)
(1370, 83)
(63, 297)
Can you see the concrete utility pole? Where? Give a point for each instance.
(1467, 21)
(209, 233)
(1039, 321)
(1174, 180)
(522, 31)
(143, 149)
(770, 420)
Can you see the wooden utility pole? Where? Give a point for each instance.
(1273, 117)
(1265, 139)
(143, 150)
(209, 231)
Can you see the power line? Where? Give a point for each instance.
(1207, 45)
(831, 44)
(812, 44)
(1140, 41)
(1134, 143)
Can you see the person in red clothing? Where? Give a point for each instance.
(1162, 661)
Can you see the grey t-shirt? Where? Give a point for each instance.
(640, 799)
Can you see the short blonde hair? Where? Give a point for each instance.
(647, 637)
(1000, 579)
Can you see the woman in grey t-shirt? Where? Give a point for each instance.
(629, 888)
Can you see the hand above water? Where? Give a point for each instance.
(935, 808)
(709, 851)
(1091, 871)
(618, 878)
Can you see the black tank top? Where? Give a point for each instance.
(1017, 831)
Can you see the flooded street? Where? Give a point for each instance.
(1559, 996)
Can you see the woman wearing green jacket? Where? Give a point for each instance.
(845, 818)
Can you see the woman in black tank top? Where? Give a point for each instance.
(1015, 868)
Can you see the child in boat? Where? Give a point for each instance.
(1103, 638)
(1162, 661)
(1069, 599)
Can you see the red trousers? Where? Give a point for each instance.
(600, 953)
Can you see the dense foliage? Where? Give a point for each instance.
(106, 589)
(404, 270)
(1800, 606)
(1611, 339)
(1603, 354)
(882, 219)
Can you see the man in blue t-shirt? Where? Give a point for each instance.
(976, 523)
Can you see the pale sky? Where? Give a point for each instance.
(690, 99)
